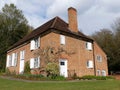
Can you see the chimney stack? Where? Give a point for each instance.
(72, 19)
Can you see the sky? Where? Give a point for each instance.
(93, 15)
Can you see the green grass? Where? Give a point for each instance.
(6, 84)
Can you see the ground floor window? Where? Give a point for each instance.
(103, 73)
(98, 73)
(10, 60)
(35, 62)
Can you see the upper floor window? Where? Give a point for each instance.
(89, 45)
(62, 39)
(22, 55)
(99, 58)
(89, 64)
(35, 44)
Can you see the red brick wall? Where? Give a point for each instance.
(100, 65)
(76, 62)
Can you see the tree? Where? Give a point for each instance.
(49, 58)
(116, 31)
(13, 27)
(109, 42)
(104, 38)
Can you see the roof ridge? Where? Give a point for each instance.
(54, 22)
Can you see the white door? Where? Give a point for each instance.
(21, 68)
(63, 68)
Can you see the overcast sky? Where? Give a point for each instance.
(93, 15)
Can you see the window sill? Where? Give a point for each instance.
(90, 67)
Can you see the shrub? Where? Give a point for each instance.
(52, 69)
(27, 67)
(90, 77)
(39, 77)
(7, 72)
(75, 76)
(2, 71)
(59, 78)
(29, 76)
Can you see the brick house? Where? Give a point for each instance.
(89, 58)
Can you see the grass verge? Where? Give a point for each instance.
(6, 84)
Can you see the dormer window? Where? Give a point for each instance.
(88, 45)
(62, 39)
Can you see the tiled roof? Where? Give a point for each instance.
(54, 24)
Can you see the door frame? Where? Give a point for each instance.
(66, 67)
(22, 61)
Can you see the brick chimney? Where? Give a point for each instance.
(72, 19)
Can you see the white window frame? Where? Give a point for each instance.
(10, 60)
(103, 73)
(32, 63)
(99, 58)
(35, 62)
(89, 46)
(98, 72)
(22, 53)
(62, 39)
(35, 43)
(32, 45)
(13, 59)
(16, 58)
(89, 64)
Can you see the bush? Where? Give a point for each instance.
(29, 76)
(2, 71)
(90, 77)
(38, 77)
(27, 67)
(59, 78)
(7, 72)
(52, 69)
(75, 76)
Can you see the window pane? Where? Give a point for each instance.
(62, 63)
(99, 58)
(10, 60)
(36, 43)
(98, 72)
(36, 63)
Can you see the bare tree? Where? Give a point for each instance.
(49, 58)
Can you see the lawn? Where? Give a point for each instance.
(6, 84)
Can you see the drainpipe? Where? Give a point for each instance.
(94, 59)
